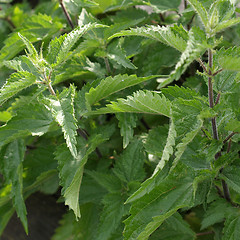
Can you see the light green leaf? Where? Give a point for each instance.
(141, 102)
(175, 36)
(62, 109)
(111, 85)
(233, 125)
(130, 165)
(12, 156)
(168, 149)
(31, 49)
(16, 83)
(196, 46)
(202, 12)
(127, 121)
(63, 46)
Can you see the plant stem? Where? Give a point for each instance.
(229, 137)
(204, 233)
(218, 98)
(66, 14)
(51, 90)
(107, 65)
(213, 120)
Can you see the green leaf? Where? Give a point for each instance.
(233, 125)
(63, 46)
(129, 167)
(196, 46)
(201, 11)
(162, 6)
(174, 228)
(117, 54)
(229, 58)
(112, 85)
(168, 149)
(164, 200)
(31, 49)
(16, 83)
(12, 156)
(111, 215)
(34, 28)
(6, 212)
(71, 169)
(32, 118)
(231, 228)
(175, 36)
(141, 102)
(127, 121)
(62, 109)
(216, 213)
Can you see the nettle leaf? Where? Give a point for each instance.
(129, 167)
(127, 121)
(116, 53)
(164, 200)
(141, 102)
(175, 36)
(111, 216)
(16, 83)
(62, 109)
(111, 85)
(216, 213)
(202, 12)
(229, 58)
(59, 48)
(231, 228)
(168, 149)
(196, 46)
(12, 157)
(71, 169)
(174, 228)
(32, 118)
(233, 125)
(31, 49)
(162, 6)
(34, 28)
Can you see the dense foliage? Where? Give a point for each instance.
(134, 114)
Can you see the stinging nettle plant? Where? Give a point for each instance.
(135, 116)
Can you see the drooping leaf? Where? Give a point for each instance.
(141, 102)
(12, 157)
(175, 36)
(62, 109)
(127, 121)
(16, 83)
(71, 169)
(129, 167)
(111, 85)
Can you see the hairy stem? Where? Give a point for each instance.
(213, 120)
(229, 137)
(66, 14)
(51, 90)
(204, 233)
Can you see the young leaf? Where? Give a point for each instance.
(175, 36)
(31, 49)
(62, 109)
(127, 121)
(111, 85)
(196, 46)
(168, 149)
(202, 12)
(141, 102)
(130, 165)
(63, 46)
(16, 83)
(12, 156)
